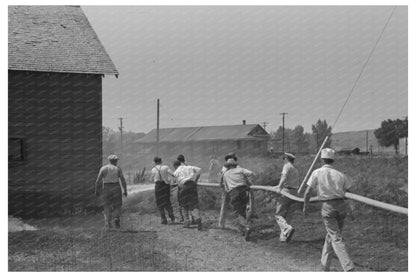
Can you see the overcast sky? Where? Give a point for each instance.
(218, 65)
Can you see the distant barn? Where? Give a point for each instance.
(200, 142)
(56, 66)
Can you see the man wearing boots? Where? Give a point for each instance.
(160, 175)
(236, 182)
(289, 182)
(108, 185)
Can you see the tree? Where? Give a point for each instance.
(401, 127)
(390, 132)
(109, 143)
(320, 130)
(299, 139)
(278, 137)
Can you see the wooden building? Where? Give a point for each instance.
(56, 66)
(198, 143)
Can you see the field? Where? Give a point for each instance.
(377, 240)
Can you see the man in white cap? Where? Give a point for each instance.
(331, 185)
(108, 184)
(236, 182)
(289, 182)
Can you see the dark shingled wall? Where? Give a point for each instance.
(59, 118)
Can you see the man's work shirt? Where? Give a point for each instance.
(236, 177)
(161, 173)
(292, 176)
(329, 183)
(224, 169)
(111, 174)
(185, 173)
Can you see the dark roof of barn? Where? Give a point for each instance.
(226, 132)
(55, 39)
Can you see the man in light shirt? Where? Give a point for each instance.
(187, 177)
(236, 182)
(108, 184)
(161, 176)
(289, 182)
(331, 185)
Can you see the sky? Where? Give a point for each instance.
(219, 65)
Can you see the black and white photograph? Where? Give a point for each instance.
(241, 137)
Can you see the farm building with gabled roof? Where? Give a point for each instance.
(207, 133)
(198, 143)
(56, 65)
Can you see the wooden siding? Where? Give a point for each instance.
(59, 117)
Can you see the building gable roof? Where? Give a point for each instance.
(226, 132)
(55, 39)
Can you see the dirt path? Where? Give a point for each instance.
(143, 244)
(214, 249)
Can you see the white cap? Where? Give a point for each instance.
(328, 153)
(290, 155)
(113, 158)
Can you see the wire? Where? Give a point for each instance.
(364, 67)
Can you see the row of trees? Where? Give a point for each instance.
(299, 141)
(112, 141)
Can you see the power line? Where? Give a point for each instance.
(364, 67)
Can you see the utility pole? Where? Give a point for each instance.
(366, 142)
(265, 124)
(283, 140)
(157, 122)
(157, 125)
(121, 136)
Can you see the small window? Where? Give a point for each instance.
(16, 150)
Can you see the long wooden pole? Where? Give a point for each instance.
(302, 185)
(348, 195)
(221, 221)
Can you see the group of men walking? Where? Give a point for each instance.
(185, 177)
(329, 184)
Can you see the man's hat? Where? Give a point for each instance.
(157, 159)
(328, 153)
(290, 155)
(230, 162)
(181, 158)
(230, 155)
(113, 158)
